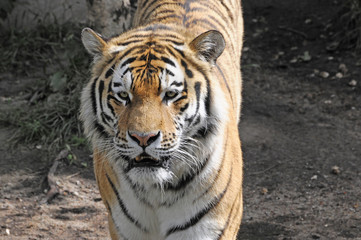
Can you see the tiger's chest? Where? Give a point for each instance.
(162, 215)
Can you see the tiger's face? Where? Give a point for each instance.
(150, 96)
(153, 100)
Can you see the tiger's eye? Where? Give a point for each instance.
(170, 94)
(123, 94)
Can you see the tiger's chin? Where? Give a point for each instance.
(145, 170)
(150, 176)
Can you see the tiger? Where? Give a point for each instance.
(161, 111)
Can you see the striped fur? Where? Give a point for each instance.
(176, 76)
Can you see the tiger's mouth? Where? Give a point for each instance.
(146, 161)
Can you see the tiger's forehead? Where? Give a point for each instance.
(148, 63)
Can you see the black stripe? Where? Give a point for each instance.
(217, 175)
(181, 98)
(196, 218)
(117, 84)
(170, 51)
(224, 79)
(198, 10)
(152, 34)
(110, 71)
(215, 9)
(152, 57)
(111, 60)
(200, 21)
(110, 107)
(93, 98)
(111, 215)
(106, 118)
(108, 207)
(172, 40)
(143, 57)
(197, 88)
(129, 60)
(180, 52)
(165, 11)
(172, 74)
(230, 15)
(187, 179)
(122, 206)
(198, 120)
(138, 190)
(186, 69)
(153, 7)
(156, 27)
(177, 84)
(116, 101)
(127, 52)
(150, 4)
(167, 60)
(176, 199)
(228, 220)
(204, 131)
(100, 129)
(101, 89)
(184, 108)
(208, 97)
(167, 17)
(129, 42)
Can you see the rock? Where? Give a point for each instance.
(306, 57)
(315, 236)
(314, 177)
(343, 68)
(352, 83)
(308, 21)
(335, 170)
(339, 75)
(324, 74)
(294, 60)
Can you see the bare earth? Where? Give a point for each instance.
(301, 137)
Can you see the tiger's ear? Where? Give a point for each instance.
(208, 46)
(93, 42)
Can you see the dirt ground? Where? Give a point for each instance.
(300, 128)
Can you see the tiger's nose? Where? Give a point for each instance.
(144, 139)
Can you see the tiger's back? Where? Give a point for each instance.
(162, 110)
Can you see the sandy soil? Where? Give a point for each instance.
(300, 130)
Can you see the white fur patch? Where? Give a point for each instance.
(115, 49)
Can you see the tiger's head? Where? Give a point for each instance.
(151, 103)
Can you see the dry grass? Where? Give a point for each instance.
(50, 116)
(349, 25)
